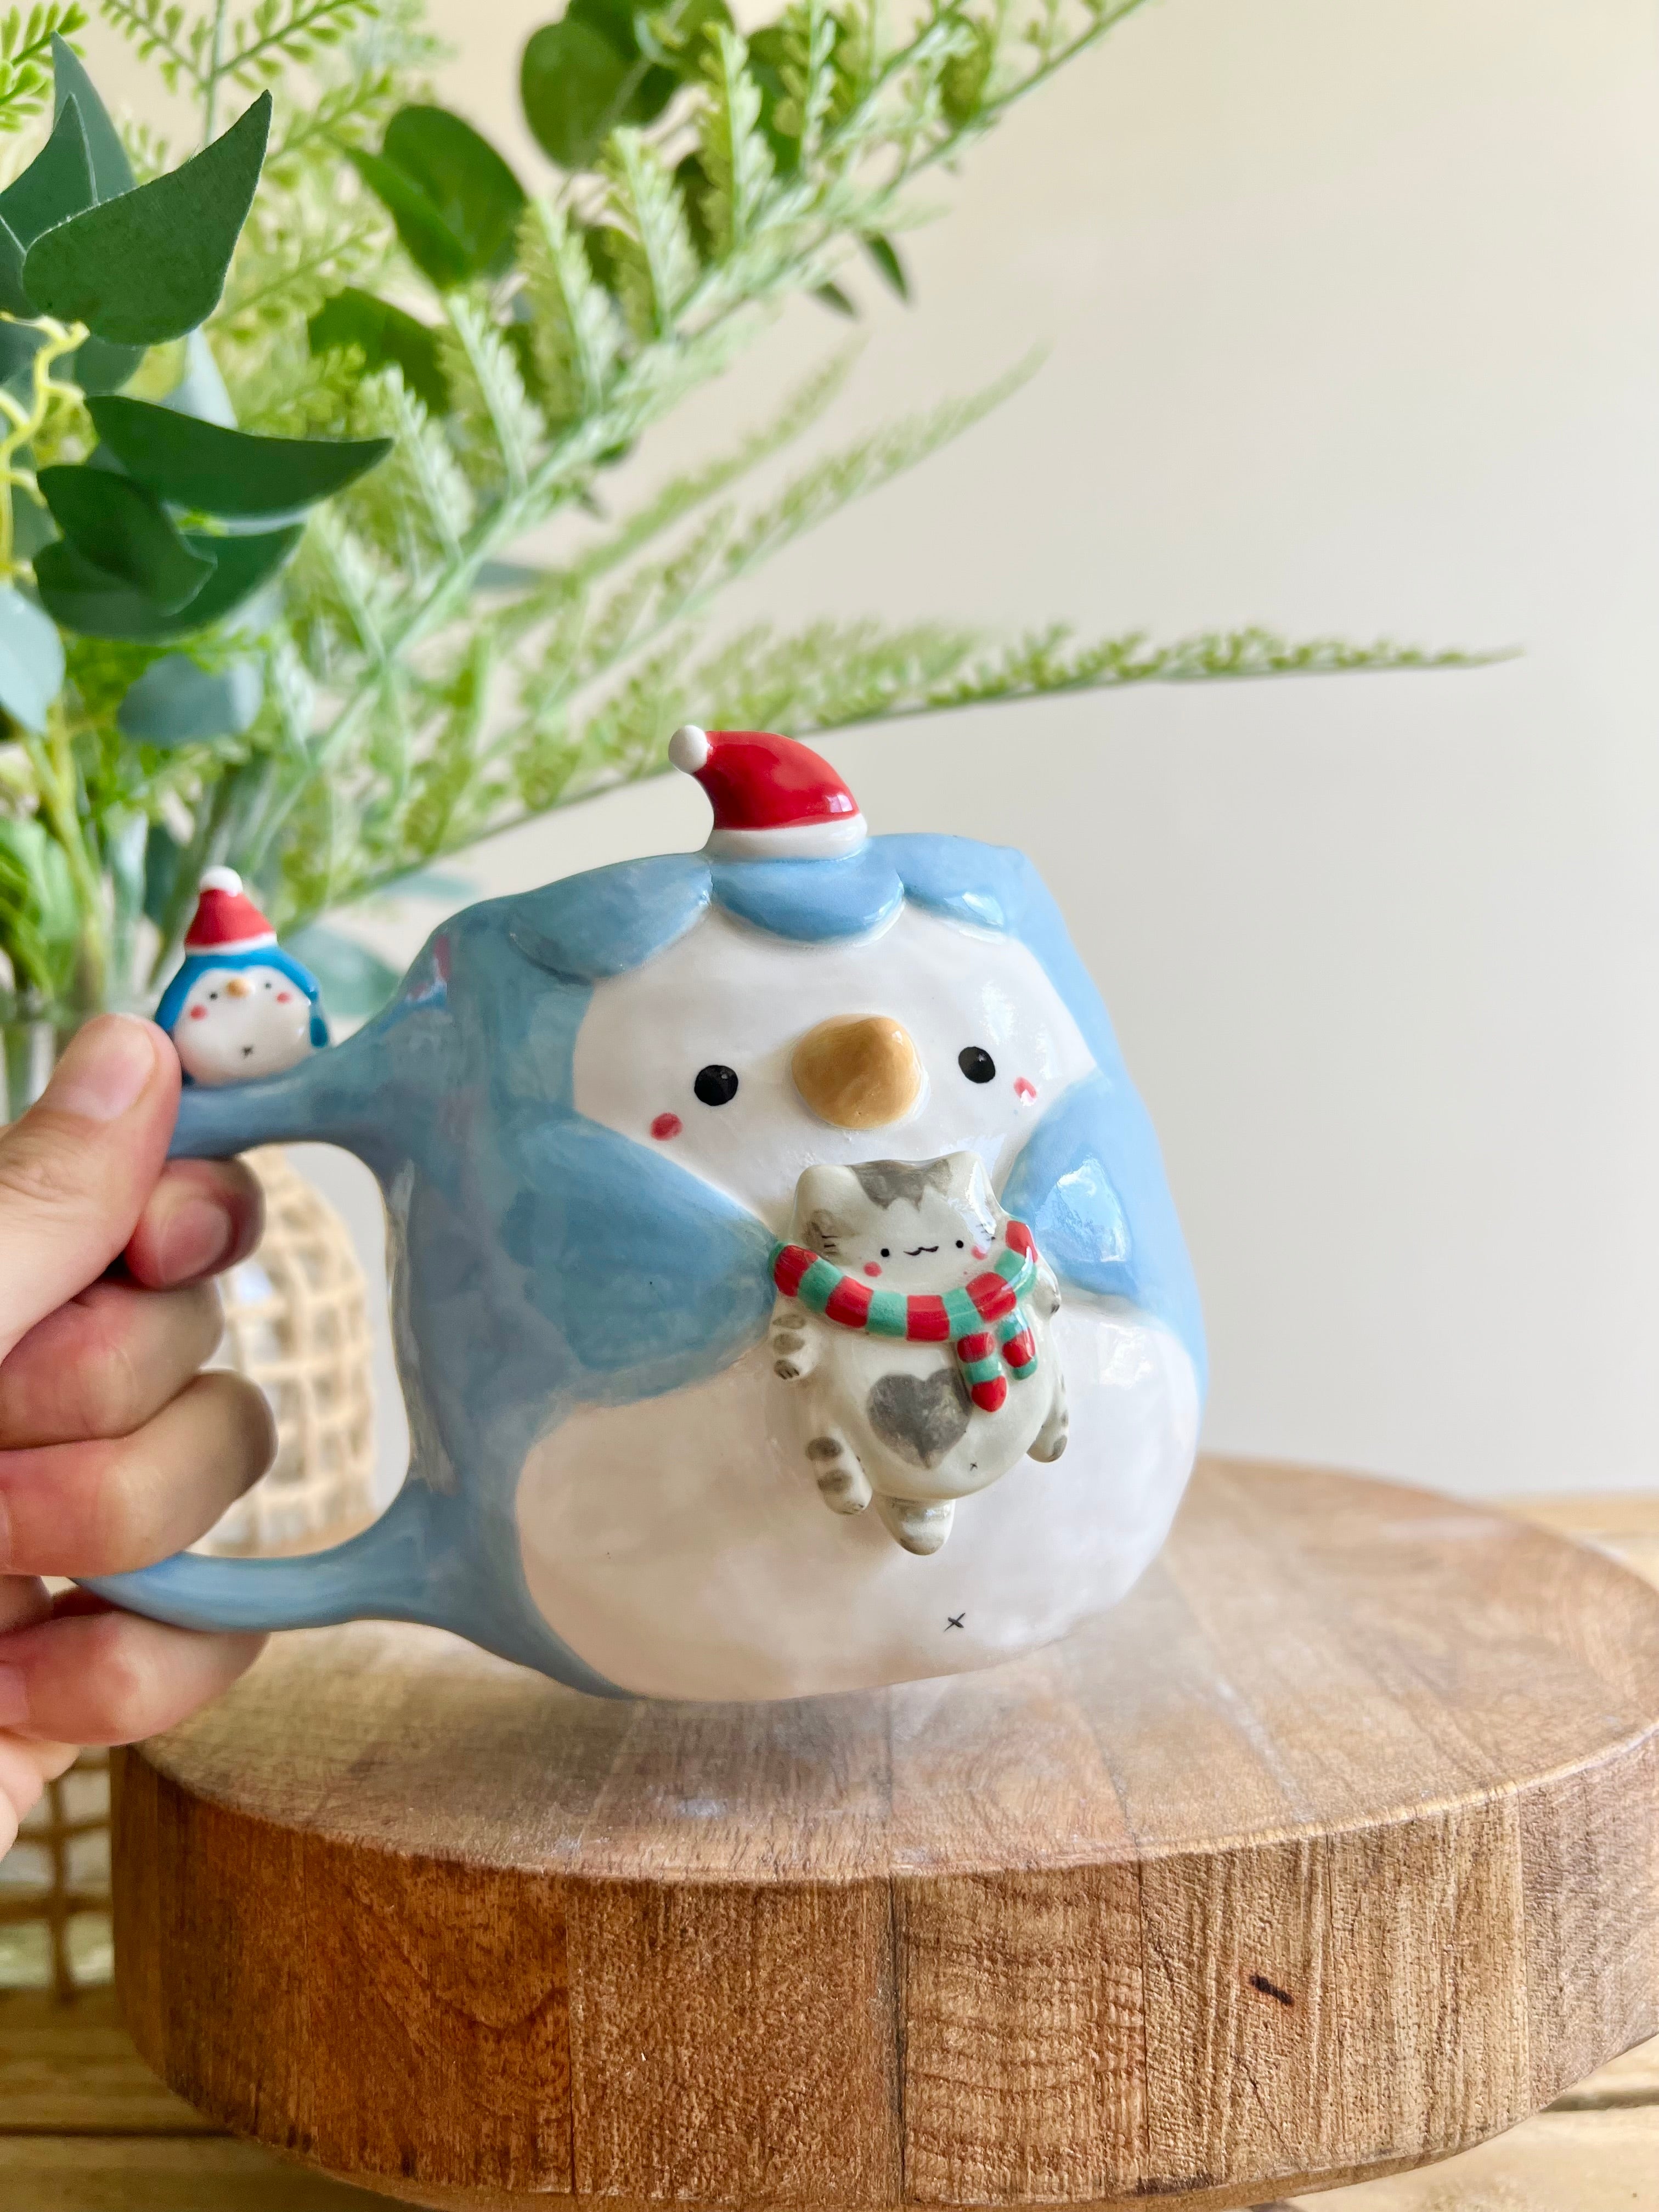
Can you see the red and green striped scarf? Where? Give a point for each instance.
(984, 1321)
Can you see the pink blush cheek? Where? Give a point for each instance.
(1024, 1087)
(666, 1126)
(979, 1251)
(872, 1267)
(282, 997)
(198, 1013)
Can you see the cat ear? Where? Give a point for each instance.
(971, 1185)
(826, 1195)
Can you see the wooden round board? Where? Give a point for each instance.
(1333, 1850)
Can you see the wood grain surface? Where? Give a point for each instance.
(1333, 1850)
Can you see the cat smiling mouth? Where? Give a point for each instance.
(915, 1252)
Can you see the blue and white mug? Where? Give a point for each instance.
(601, 1115)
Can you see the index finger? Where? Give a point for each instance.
(77, 1168)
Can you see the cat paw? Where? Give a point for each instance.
(1049, 1449)
(921, 1528)
(843, 1484)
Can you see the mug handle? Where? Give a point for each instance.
(394, 1569)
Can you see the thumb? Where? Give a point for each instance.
(76, 1171)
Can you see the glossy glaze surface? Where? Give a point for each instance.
(579, 1304)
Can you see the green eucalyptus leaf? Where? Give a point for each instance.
(13, 298)
(99, 365)
(56, 184)
(425, 238)
(615, 20)
(31, 525)
(151, 265)
(885, 254)
(112, 171)
(576, 86)
(177, 702)
(194, 464)
(84, 598)
(674, 36)
(19, 343)
(455, 200)
(30, 660)
(121, 528)
(832, 296)
(384, 335)
(356, 983)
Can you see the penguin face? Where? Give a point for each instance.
(240, 1022)
(748, 1058)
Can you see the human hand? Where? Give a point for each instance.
(114, 1452)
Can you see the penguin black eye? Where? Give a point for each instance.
(213, 995)
(960, 1246)
(885, 1254)
(716, 1085)
(976, 1063)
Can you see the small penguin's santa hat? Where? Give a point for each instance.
(226, 919)
(773, 799)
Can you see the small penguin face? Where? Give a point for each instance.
(912, 1225)
(747, 1057)
(240, 1023)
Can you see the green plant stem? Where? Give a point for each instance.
(24, 423)
(51, 758)
(206, 846)
(216, 65)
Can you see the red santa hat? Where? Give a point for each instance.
(773, 799)
(226, 919)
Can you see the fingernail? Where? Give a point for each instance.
(106, 1068)
(194, 1236)
(14, 1697)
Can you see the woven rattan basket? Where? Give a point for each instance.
(296, 1323)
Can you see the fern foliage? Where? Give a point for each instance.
(26, 59)
(469, 634)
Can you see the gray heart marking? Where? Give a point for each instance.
(920, 1419)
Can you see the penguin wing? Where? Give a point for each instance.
(1090, 1185)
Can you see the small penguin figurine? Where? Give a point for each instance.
(240, 1006)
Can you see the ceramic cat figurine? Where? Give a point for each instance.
(912, 1322)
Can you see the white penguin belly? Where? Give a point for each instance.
(680, 1546)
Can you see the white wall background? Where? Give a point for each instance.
(1353, 328)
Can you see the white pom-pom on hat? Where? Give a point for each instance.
(688, 748)
(220, 879)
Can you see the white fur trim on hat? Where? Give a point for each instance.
(799, 841)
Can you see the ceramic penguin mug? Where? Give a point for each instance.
(786, 1293)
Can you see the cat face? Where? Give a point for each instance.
(903, 1225)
